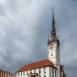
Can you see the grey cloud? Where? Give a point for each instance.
(2, 10)
(24, 29)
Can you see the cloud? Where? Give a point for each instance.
(24, 29)
(2, 1)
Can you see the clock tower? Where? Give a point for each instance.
(54, 47)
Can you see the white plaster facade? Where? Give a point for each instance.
(44, 72)
(54, 56)
(7, 74)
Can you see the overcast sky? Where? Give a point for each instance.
(24, 29)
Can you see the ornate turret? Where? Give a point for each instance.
(53, 30)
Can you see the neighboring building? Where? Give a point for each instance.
(13, 75)
(62, 73)
(47, 68)
(6, 74)
(2, 73)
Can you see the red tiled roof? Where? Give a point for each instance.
(35, 65)
(2, 70)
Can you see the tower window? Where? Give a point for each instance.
(51, 54)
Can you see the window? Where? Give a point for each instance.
(52, 72)
(24, 73)
(30, 71)
(39, 70)
(44, 70)
(55, 73)
(51, 54)
(34, 70)
(27, 72)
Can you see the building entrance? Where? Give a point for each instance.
(33, 75)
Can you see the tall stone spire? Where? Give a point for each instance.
(53, 30)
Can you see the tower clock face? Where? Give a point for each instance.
(51, 47)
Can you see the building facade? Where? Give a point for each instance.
(47, 68)
(43, 68)
(6, 74)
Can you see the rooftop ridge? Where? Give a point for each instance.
(36, 65)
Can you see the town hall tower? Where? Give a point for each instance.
(54, 47)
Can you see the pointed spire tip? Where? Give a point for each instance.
(53, 31)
